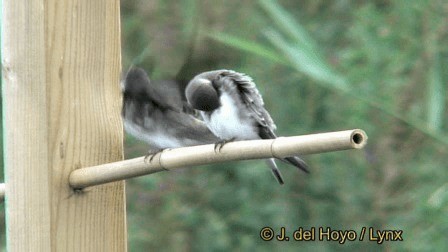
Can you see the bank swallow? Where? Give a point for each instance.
(233, 109)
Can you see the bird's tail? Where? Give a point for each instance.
(297, 162)
(275, 171)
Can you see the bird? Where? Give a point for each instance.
(154, 112)
(233, 109)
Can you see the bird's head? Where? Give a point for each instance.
(202, 95)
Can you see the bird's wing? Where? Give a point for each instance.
(137, 88)
(153, 112)
(193, 130)
(254, 102)
(252, 99)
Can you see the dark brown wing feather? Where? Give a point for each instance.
(254, 102)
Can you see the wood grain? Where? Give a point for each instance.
(61, 69)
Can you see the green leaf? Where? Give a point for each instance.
(248, 46)
(145, 53)
(307, 61)
(189, 17)
(439, 197)
(436, 95)
(288, 24)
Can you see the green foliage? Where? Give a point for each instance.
(436, 95)
(333, 65)
(248, 46)
(321, 66)
(302, 51)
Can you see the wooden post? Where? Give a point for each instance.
(61, 100)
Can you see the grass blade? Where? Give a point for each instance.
(436, 96)
(249, 46)
(307, 62)
(288, 24)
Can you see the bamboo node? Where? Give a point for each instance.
(273, 149)
(160, 159)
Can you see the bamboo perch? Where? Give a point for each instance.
(205, 154)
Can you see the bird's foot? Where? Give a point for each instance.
(220, 144)
(151, 154)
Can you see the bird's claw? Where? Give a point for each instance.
(220, 144)
(152, 154)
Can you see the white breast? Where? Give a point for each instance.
(226, 122)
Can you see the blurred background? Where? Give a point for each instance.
(321, 66)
